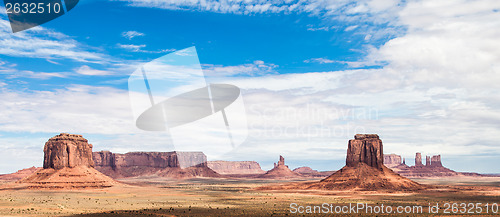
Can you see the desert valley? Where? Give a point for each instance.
(78, 181)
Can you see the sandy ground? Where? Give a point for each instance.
(155, 196)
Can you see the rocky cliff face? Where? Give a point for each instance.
(281, 162)
(67, 164)
(170, 164)
(436, 161)
(150, 159)
(67, 150)
(365, 148)
(235, 167)
(104, 158)
(418, 159)
(392, 159)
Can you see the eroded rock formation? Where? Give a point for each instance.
(392, 159)
(365, 170)
(235, 167)
(436, 161)
(67, 150)
(418, 159)
(280, 171)
(365, 148)
(432, 168)
(67, 164)
(168, 164)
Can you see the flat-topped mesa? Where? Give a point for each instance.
(366, 136)
(173, 159)
(418, 160)
(235, 167)
(365, 148)
(392, 159)
(67, 150)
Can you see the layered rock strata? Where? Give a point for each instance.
(166, 164)
(235, 167)
(365, 170)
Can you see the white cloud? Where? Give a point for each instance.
(450, 43)
(320, 60)
(139, 48)
(256, 68)
(325, 28)
(132, 47)
(40, 42)
(132, 34)
(346, 10)
(437, 94)
(86, 70)
(350, 28)
(85, 109)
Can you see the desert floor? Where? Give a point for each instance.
(237, 197)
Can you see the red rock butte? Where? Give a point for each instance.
(67, 150)
(365, 170)
(67, 164)
(433, 167)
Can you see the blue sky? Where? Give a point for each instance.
(421, 74)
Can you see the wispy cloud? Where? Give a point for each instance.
(40, 42)
(377, 18)
(131, 34)
(140, 48)
(86, 70)
(256, 68)
(320, 60)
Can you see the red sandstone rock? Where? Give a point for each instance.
(305, 170)
(365, 148)
(67, 150)
(436, 161)
(365, 170)
(19, 174)
(418, 159)
(392, 160)
(280, 171)
(68, 164)
(432, 168)
(166, 164)
(235, 167)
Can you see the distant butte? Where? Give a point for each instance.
(433, 167)
(280, 171)
(236, 167)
